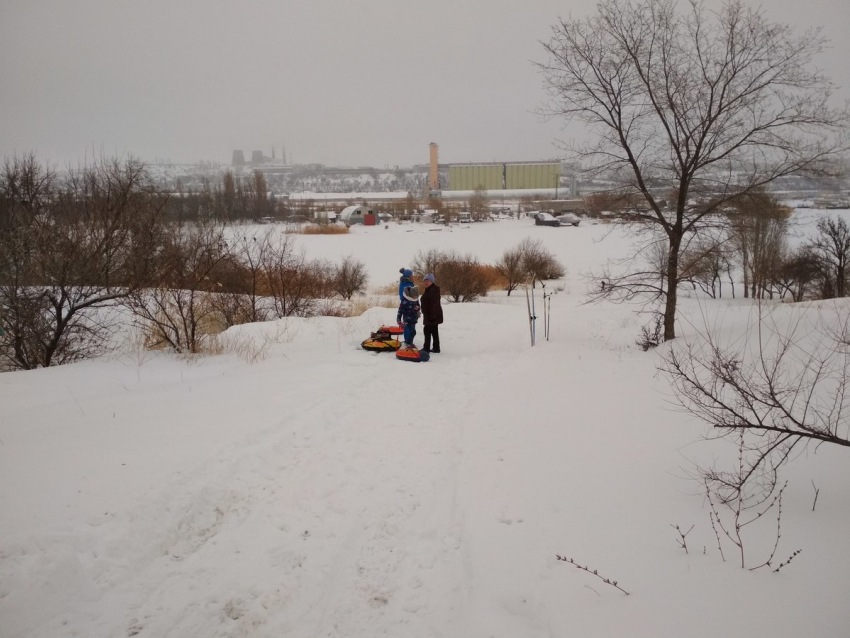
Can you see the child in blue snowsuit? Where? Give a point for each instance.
(405, 281)
(408, 314)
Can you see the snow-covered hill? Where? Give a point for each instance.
(327, 491)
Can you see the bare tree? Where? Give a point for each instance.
(538, 262)
(227, 195)
(479, 204)
(289, 281)
(242, 279)
(26, 189)
(428, 261)
(777, 392)
(178, 312)
(598, 203)
(705, 263)
(759, 227)
(410, 205)
(706, 105)
(832, 247)
(511, 266)
(244, 199)
(349, 277)
(797, 272)
(69, 252)
(261, 206)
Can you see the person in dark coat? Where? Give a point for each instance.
(432, 313)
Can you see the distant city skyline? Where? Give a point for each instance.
(342, 84)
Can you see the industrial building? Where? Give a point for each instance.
(504, 176)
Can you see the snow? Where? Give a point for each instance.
(327, 491)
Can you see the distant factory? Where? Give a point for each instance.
(495, 177)
(444, 180)
(259, 159)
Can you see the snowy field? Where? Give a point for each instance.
(329, 492)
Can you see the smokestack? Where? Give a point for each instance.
(434, 177)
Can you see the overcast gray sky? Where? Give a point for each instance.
(365, 82)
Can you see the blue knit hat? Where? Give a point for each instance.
(430, 277)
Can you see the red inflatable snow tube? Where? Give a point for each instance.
(412, 354)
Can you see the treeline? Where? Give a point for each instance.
(81, 254)
(247, 198)
(746, 248)
(753, 246)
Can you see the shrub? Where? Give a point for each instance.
(512, 269)
(291, 281)
(427, 262)
(349, 277)
(538, 263)
(184, 321)
(462, 278)
(652, 334)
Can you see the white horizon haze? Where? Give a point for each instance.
(351, 84)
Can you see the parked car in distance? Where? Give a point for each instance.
(546, 219)
(569, 219)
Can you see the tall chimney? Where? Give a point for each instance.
(434, 177)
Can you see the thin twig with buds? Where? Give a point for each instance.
(607, 581)
(790, 558)
(681, 540)
(713, 515)
(778, 501)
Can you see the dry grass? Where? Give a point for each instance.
(495, 280)
(389, 289)
(170, 327)
(312, 229)
(213, 322)
(332, 308)
(362, 304)
(211, 344)
(251, 350)
(247, 348)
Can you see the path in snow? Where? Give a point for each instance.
(325, 521)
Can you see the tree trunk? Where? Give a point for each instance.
(672, 285)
